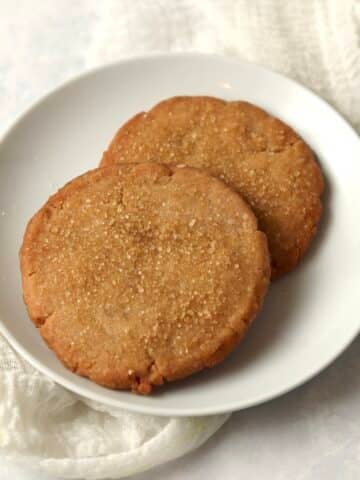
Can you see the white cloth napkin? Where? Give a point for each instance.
(314, 41)
(42, 425)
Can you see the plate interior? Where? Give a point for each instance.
(309, 317)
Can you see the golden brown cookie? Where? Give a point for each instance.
(137, 275)
(257, 154)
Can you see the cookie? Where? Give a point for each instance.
(257, 154)
(138, 275)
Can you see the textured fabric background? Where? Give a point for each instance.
(313, 41)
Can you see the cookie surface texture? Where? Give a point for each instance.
(257, 154)
(140, 274)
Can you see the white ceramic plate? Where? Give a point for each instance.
(309, 317)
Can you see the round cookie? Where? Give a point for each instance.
(257, 154)
(140, 274)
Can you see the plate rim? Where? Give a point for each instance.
(163, 411)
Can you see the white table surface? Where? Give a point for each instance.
(312, 433)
